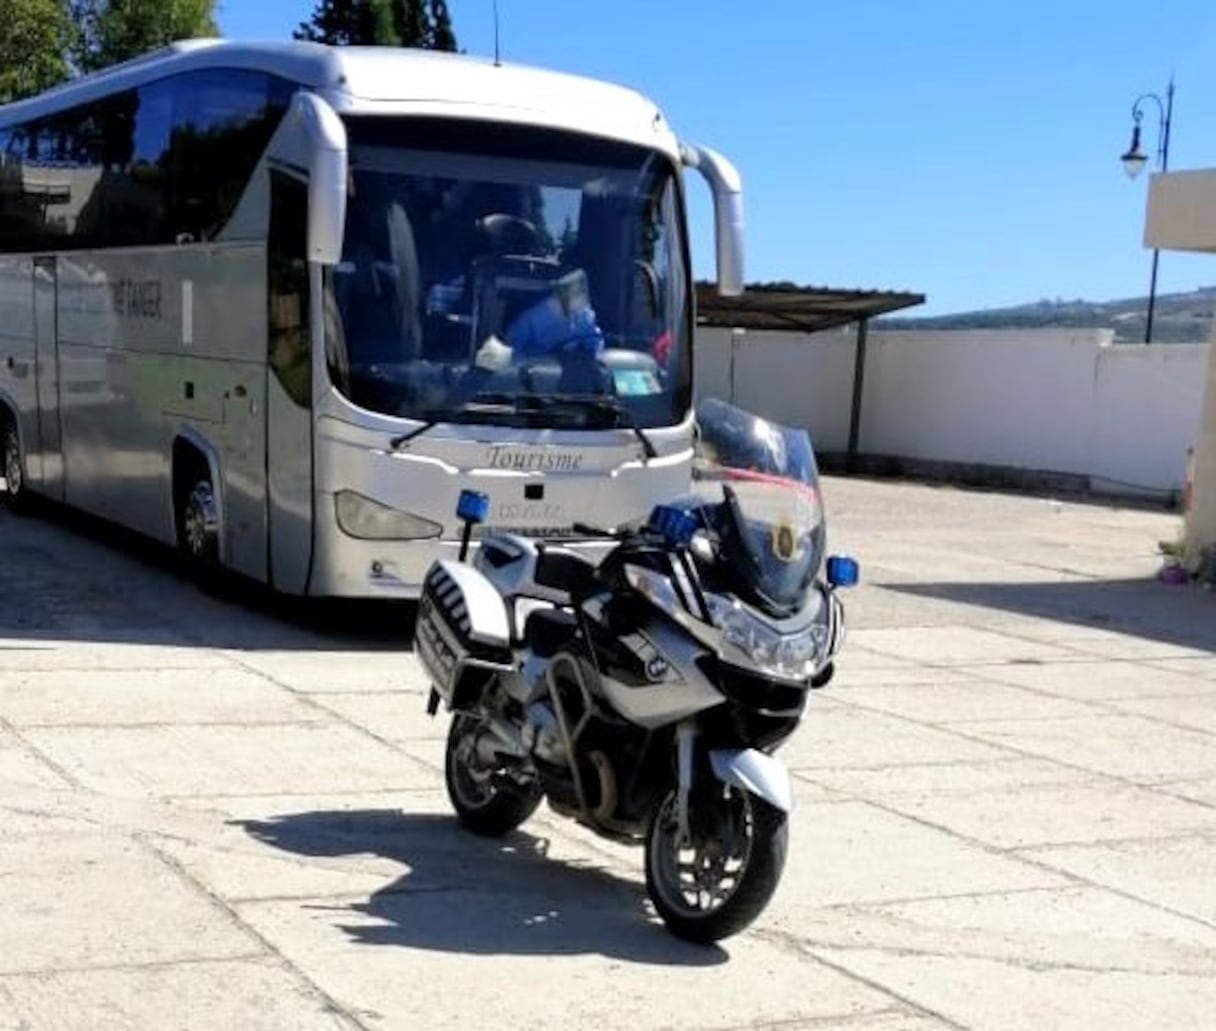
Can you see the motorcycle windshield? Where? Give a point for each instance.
(761, 487)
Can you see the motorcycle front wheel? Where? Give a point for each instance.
(716, 882)
(489, 799)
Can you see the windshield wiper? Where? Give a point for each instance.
(624, 417)
(599, 403)
(500, 404)
(504, 404)
(398, 442)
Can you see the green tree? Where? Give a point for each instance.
(393, 23)
(349, 23)
(410, 23)
(442, 36)
(34, 42)
(109, 31)
(423, 23)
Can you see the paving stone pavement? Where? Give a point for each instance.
(227, 813)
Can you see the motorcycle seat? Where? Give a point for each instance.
(561, 569)
(547, 630)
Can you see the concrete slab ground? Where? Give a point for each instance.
(230, 813)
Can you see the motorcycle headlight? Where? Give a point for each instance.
(370, 520)
(793, 656)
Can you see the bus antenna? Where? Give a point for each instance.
(497, 62)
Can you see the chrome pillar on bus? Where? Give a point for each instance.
(308, 162)
(327, 178)
(727, 188)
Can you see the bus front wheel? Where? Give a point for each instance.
(13, 466)
(198, 532)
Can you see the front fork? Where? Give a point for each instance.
(746, 768)
(686, 739)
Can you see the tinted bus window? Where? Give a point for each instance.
(26, 193)
(166, 163)
(131, 195)
(289, 342)
(222, 122)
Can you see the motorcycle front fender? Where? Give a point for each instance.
(753, 771)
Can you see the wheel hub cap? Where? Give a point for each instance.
(12, 465)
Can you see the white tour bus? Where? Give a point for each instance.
(277, 304)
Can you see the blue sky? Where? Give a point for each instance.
(964, 150)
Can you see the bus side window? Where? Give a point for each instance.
(222, 121)
(134, 190)
(8, 189)
(22, 207)
(88, 177)
(11, 215)
(289, 339)
(110, 151)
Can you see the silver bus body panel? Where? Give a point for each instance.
(344, 565)
(289, 451)
(597, 477)
(153, 341)
(47, 471)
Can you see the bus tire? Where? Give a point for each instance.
(198, 531)
(17, 495)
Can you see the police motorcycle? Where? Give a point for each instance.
(645, 697)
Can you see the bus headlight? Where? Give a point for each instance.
(369, 520)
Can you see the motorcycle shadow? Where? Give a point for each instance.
(466, 894)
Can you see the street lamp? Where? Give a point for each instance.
(1134, 161)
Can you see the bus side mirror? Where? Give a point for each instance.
(327, 177)
(727, 189)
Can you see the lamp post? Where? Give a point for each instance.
(1134, 161)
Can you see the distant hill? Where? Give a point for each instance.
(1177, 318)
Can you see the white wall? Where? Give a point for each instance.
(1019, 400)
(1045, 400)
(1148, 404)
(803, 379)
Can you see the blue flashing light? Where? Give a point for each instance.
(472, 506)
(676, 524)
(843, 571)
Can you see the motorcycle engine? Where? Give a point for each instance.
(542, 735)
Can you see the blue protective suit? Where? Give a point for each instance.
(546, 327)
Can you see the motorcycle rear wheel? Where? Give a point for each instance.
(488, 800)
(715, 884)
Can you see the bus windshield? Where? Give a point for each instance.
(513, 275)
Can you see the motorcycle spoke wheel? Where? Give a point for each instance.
(489, 800)
(707, 867)
(717, 880)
